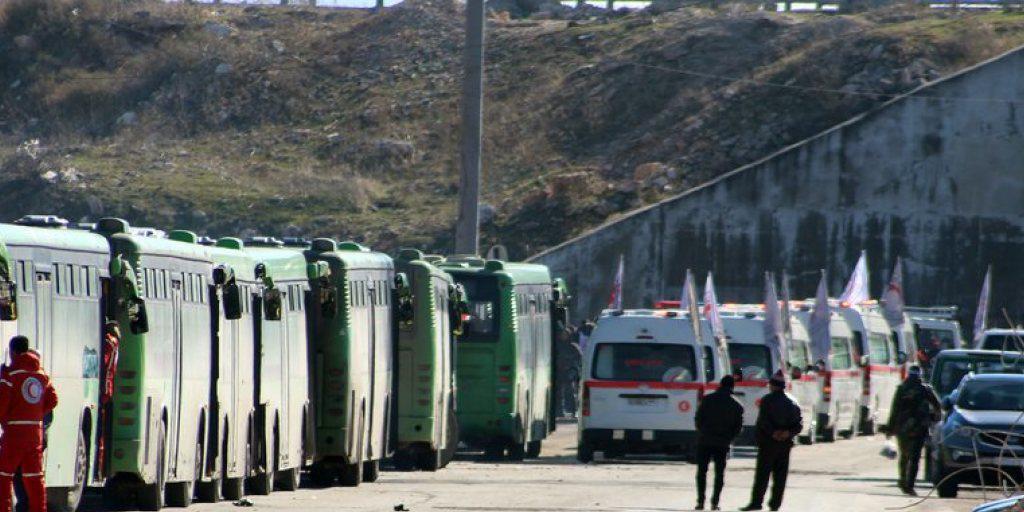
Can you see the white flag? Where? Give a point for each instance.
(711, 309)
(981, 315)
(689, 302)
(787, 314)
(893, 297)
(857, 289)
(821, 319)
(774, 335)
(615, 299)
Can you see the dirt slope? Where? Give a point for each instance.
(345, 123)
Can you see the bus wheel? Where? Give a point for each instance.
(351, 475)
(114, 494)
(516, 451)
(288, 479)
(533, 449)
(151, 496)
(428, 460)
(66, 499)
(585, 452)
(179, 494)
(493, 451)
(371, 470)
(322, 476)
(403, 460)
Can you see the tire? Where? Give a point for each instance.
(946, 489)
(516, 451)
(180, 494)
(208, 492)
(865, 426)
(371, 470)
(322, 476)
(828, 434)
(810, 438)
(494, 451)
(351, 475)
(428, 460)
(585, 453)
(113, 496)
(288, 479)
(67, 499)
(403, 460)
(847, 434)
(233, 488)
(533, 449)
(151, 496)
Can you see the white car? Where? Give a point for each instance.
(840, 379)
(644, 373)
(1011, 340)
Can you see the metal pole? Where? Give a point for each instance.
(467, 231)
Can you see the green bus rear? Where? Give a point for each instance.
(426, 430)
(505, 356)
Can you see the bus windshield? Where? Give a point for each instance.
(484, 311)
(753, 360)
(645, 362)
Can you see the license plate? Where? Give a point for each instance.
(643, 402)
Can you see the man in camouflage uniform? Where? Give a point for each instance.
(914, 408)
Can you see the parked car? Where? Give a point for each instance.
(983, 427)
(950, 366)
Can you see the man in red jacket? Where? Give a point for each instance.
(26, 397)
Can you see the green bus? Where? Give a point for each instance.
(426, 431)
(52, 289)
(505, 357)
(162, 393)
(351, 351)
(232, 372)
(281, 369)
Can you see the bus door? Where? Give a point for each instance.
(44, 315)
(371, 354)
(174, 428)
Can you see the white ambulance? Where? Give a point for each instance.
(879, 358)
(750, 359)
(802, 379)
(935, 329)
(839, 381)
(643, 375)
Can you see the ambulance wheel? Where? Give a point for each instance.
(233, 488)
(810, 438)
(66, 499)
(151, 496)
(585, 453)
(351, 475)
(371, 470)
(288, 479)
(533, 449)
(180, 494)
(828, 434)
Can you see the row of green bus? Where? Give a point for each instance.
(244, 364)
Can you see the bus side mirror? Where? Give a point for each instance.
(272, 304)
(865, 360)
(232, 301)
(138, 320)
(8, 301)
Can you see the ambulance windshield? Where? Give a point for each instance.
(645, 362)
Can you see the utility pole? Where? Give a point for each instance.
(467, 229)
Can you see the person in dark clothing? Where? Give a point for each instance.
(719, 420)
(778, 422)
(914, 408)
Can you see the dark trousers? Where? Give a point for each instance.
(706, 454)
(772, 461)
(910, 456)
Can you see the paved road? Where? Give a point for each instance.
(844, 476)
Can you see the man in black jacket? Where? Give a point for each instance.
(778, 422)
(719, 420)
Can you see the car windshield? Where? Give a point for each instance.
(753, 360)
(992, 395)
(948, 373)
(645, 362)
(1014, 342)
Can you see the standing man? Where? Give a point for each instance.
(778, 422)
(914, 408)
(719, 420)
(26, 398)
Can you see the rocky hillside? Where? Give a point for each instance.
(345, 123)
